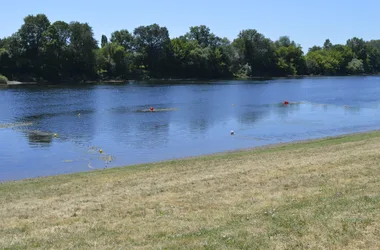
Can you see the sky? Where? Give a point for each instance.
(306, 22)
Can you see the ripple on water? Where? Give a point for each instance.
(188, 119)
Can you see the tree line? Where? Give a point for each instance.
(60, 51)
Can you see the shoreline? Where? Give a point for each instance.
(268, 147)
(319, 193)
(114, 81)
(263, 148)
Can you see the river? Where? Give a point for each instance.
(189, 119)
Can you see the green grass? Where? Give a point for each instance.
(312, 194)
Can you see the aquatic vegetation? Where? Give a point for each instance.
(157, 110)
(16, 124)
(107, 158)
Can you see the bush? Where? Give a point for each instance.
(3, 79)
(355, 66)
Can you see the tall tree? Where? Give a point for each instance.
(257, 51)
(153, 43)
(284, 41)
(114, 60)
(202, 35)
(123, 38)
(26, 45)
(61, 51)
(327, 44)
(360, 49)
(104, 41)
(56, 41)
(82, 48)
(290, 57)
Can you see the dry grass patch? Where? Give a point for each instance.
(320, 194)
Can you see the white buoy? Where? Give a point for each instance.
(232, 132)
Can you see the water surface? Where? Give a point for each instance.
(191, 119)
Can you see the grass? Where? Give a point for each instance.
(308, 195)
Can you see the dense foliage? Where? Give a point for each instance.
(3, 79)
(60, 51)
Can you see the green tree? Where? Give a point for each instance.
(327, 44)
(153, 44)
(355, 66)
(114, 60)
(123, 38)
(202, 35)
(26, 45)
(325, 62)
(290, 57)
(57, 57)
(82, 48)
(314, 48)
(6, 64)
(104, 41)
(284, 41)
(182, 49)
(39, 50)
(360, 49)
(344, 55)
(257, 51)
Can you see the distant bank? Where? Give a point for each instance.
(118, 81)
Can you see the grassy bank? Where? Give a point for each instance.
(316, 194)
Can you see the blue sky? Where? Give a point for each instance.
(307, 22)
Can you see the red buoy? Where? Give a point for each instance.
(151, 109)
(286, 102)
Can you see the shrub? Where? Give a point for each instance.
(3, 79)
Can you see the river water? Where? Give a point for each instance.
(190, 118)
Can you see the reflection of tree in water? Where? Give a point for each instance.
(199, 126)
(248, 118)
(352, 110)
(150, 134)
(200, 118)
(58, 113)
(40, 138)
(68, 127)
(283, 111)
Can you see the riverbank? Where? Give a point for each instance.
(171, 80)
(319, 193)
